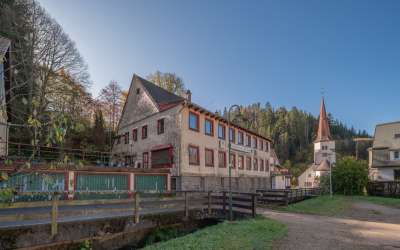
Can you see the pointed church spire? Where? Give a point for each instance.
(324, 133)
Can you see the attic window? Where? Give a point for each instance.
(137, 91)
(396, 136)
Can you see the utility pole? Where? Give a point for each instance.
(358, 139)
(229, 160)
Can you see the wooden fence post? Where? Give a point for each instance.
(209, 202)
(137, 208)
(186, 205)
(54, 215)
(223, 201)
(286, 198)
(253, 205)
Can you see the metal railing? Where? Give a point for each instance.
(22, 152)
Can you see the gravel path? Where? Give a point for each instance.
(353, 230)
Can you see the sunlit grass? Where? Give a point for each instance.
(252, 234)
(323, 205)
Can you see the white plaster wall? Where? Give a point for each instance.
(383, 174)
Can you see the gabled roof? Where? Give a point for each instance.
(324, 134)
(4, 46)
(323, 166)
(162, 97)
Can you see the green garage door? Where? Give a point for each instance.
(101, 183)
(35, 182)
(150, 183)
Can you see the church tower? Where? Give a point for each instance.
(324, 146)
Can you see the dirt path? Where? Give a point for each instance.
(320, 232)
(372, 212)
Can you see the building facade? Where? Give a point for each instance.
(384, 155)
(324, 153)
(161, 130)
(5, 81)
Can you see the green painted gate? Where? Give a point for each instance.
(101, 183)
(150, 183)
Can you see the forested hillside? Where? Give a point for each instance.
(293, 132)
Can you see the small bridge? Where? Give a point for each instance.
(58, 220)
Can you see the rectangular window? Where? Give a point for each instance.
(134, 134)
(255, 142)
(118, 139)
(267, 147)
(194, 155)
(144, 132)
(126, 138)
(396, 155)
(145, 160)
(232, 135)
(160, 126)
(396, 174)
(233, 160)
(261, 165)
(248, 163)
(162, 158)
(240, 138)
(248, 141)
(209, 127)
(194, 121)
(209, 155)
(261, 145)
(221, 131)
(255, 164)
(266, 166)
(221, 159)
(241, 162)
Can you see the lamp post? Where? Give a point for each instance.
(229, 159)
(330, 180)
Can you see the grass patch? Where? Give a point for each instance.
(252, 234)
(322, 205)
(385, 201)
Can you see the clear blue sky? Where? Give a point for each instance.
(243, 52)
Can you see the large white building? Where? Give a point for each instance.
(324, 153)
(159, 129)
(384, 155)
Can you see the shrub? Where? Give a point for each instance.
(349, 176)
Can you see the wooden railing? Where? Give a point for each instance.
(384, 188)
(286, 196)
(211, 203)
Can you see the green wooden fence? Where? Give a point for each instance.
(150, 183)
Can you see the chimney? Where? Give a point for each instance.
(189, 95)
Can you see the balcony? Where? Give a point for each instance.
(381, 158)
